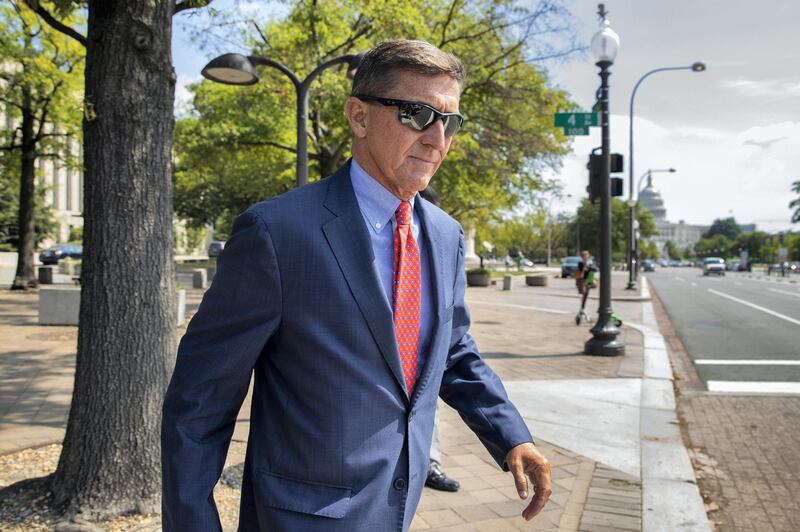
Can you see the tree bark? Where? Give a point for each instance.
(110, 462)
(25, 276)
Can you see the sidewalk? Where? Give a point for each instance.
(607, 424)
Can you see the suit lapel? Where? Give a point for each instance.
(433, 242)
(348, 238)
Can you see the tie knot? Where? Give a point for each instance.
(403, 213)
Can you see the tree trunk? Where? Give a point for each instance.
(25, 276)
(110, 462)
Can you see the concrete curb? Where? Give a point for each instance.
(670, 497)
(576, 296)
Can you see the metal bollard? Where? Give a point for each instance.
(507, 282)
(46, 274)
(199, 277)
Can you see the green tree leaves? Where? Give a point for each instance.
(724, 226)
(237, 147)
(795, 203)
(587, 223)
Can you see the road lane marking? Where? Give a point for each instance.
(734, 362)
(757, 307)
(795, 294)
(681, 279)
(525, 307)
(694, 284)
(754, 387)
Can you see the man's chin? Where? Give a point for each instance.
(418, 183)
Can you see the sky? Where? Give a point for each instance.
(731, 132)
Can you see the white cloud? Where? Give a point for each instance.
(768, 89)
(262, 9)
(716, 175)
(183, 97)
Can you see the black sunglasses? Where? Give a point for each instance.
(418, 116)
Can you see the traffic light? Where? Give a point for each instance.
(616, 164)
(616, 187)
(595, 176)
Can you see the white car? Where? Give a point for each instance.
(713, 265)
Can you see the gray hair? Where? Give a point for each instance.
(380, 68)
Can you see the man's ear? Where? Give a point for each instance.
(357, 113)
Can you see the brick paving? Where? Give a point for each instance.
(745, 449)
(746, 452)
(524, 334)
(36, 368)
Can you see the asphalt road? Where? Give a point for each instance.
(743, 334)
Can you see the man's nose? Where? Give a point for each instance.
(434, 135)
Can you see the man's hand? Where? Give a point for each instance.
(526, 462)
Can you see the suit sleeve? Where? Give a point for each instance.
(471, 387)
(238, 315)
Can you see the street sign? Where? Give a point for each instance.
(579, 120)
(573, 131)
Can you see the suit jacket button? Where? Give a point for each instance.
(399, 483)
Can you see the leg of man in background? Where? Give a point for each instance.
(436, 478)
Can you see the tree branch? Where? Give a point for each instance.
(45, 105)
(446, 23)
(260, 143)
(183, 5)
(55, 24)
(11, 103)
(359, 30)
(261, 33)
(56, 156)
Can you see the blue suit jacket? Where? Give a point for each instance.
(335, 443)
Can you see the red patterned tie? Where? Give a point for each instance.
(406, 294)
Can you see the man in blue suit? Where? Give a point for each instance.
(344, 300)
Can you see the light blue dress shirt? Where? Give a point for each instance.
(378, 206)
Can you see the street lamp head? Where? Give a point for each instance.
(698, 66)
(352, 64)
(605, 43)
(231, 69)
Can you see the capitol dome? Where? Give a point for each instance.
(650, 198)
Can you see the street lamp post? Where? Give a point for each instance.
(237, 69)
(633, 265)
(648, 174)
(697, 66)
(605, 45)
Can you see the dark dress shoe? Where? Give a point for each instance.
(438, 480)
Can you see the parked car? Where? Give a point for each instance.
(732, 266)
(715, 265)
(674, 263)
(56, 253)
(664, 263)
(215, 248)
(528, 263)
(648, 265)
(569, 265)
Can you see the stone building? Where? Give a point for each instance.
(63, 192)
(681, 234)
(62, 186)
